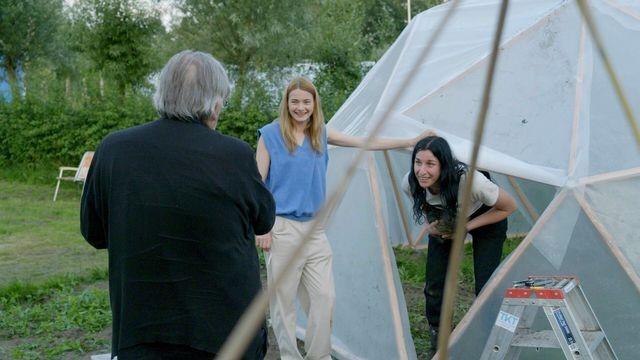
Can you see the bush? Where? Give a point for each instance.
(244, 124)
(35, 132)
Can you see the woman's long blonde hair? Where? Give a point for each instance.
(314, 127)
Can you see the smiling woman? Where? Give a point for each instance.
(292, 159)
(434, 185)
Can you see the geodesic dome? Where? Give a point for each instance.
(555, 123)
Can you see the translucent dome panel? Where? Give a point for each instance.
(613, 297)
(531, 114)
(612, 143)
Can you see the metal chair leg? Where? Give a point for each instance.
(55, 194)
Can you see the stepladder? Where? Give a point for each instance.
(574, 328)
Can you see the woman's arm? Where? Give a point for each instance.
(335, 137)
(263, 160)
(504, 206)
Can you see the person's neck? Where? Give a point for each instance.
(300, 128)
(434, 189)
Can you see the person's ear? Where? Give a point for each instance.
(217, 109)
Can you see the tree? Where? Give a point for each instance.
(246, 34)
(337, 46)
(385, 20)
(119, 38)
(27, 31)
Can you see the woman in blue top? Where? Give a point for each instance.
(292, 159)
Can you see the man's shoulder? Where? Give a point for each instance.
(232, 144)
(128, 133)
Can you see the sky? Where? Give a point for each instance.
(169, 13)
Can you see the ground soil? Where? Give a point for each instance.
(413, 296)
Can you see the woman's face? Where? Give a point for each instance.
(426, 167)
(300, 105)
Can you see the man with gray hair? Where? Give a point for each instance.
(177, 205)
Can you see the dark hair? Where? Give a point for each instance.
(450, 171)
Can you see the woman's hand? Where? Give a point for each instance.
(264, 241)
(433, 230)
(422, 135)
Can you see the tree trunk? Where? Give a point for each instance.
(24, 79)
(67, 87)
(101, 86)
(12, 77)
(240, 84)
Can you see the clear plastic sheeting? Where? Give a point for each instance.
(556, 138)
(365, 299)
(616, 205)
(532, 198)
(611, 293)
(612, 144)
(553, 240)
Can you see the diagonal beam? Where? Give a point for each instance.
(455, 258)
(608, 240)
(386, 258)
(595, 35)
(622, 9)
(412, 30)
(610, 176)
(507, 44)
(575, 139)
(250, 321)
(523, 199)
(396, 195)
(423, 232)
(501, 273)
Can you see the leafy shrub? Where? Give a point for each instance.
(34, 131)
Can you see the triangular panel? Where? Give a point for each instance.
(613, 297)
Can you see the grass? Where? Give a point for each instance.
(40, 238)
(53, 295)
(411, 268)
(53, 285)
(64, 315)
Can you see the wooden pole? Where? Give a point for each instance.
(577, 104)
(455, 258)
(611, 176)
(595, 35)
(523, 199)
(504, 269)
(607, 238)
(250, 321)
(396, 193)
(386, 258)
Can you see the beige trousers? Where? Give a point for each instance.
(311, 279)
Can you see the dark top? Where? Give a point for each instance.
(177, 204)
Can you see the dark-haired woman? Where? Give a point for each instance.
(435, 185)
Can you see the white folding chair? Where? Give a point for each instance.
(80, 172)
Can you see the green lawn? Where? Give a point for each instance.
(53, 285)
(411, 267)
(53, 298)
(40, 238)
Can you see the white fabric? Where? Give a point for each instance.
(554, 119)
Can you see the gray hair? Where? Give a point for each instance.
(190, 86)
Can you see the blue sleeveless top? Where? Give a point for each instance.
(297, 180)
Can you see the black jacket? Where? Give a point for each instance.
(177, 205)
